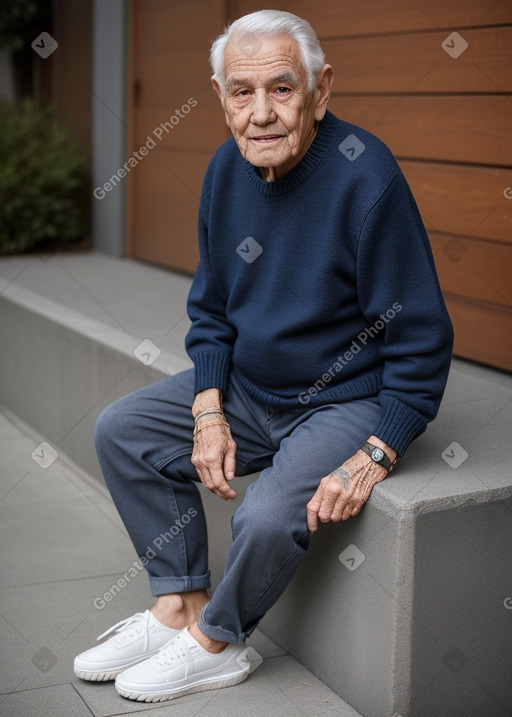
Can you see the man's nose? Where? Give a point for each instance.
(262, 109)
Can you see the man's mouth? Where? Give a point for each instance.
(267, 138)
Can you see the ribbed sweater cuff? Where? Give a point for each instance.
(212, 370)
(399, 424)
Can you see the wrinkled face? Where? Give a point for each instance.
(267, 104)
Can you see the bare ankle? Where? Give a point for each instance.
(210, 645)
(178, 610)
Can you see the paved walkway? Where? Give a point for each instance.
(63, 545)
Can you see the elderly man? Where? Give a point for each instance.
(321, 347)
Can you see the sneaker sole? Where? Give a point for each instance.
(204, 686)
(106, 675)
(97, 676)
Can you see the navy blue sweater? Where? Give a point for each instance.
(320, 287)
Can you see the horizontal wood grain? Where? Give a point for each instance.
(473, 268)
(462, 200)
(335, 18)
(449, 128)
(417, 62)
(482, 333)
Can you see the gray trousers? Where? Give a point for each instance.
(144, 444)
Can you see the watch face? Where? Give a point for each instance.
(377, 454)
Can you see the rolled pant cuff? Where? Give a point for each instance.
(171, 585)
(219, 633)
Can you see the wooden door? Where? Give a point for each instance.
(175, 125)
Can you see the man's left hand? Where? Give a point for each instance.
(343, 492)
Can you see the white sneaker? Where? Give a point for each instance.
(139, 637)
(181, 668)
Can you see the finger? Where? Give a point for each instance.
(312, 520)
(219, 484)
(330, 499)
(339, 509)
(205, 474)
(230, 461)
(356, 509)
(199, 469)
(209, 454)
(313, 507)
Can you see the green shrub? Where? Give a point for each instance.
(17, 22)
(42, 170)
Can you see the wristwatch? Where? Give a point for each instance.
(378, 456)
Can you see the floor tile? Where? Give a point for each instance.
(58, 701)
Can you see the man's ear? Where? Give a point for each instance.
(218, 90)
(323, 91)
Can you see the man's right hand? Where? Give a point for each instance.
(214, 448)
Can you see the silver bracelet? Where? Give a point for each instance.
(208, 412)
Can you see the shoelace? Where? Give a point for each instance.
(129, 622)
(171, 653)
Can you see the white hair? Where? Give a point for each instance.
(271, 22)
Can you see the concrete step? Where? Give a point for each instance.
(404, 610)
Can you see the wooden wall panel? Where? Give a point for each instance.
(473, 268)
(169, 56)
(348, 18)
(195, 131)
(463, 200)
(448, 128)
(483, 333)
(165, 227)
(417, 62)
(171, 59)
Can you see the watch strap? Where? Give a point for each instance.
(381, 458)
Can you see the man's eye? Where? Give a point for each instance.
(243, 93)
(283, 90)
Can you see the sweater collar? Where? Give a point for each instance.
(317, 150)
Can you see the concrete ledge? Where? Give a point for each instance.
(70, 325)
(402, 611)
(60, 369)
